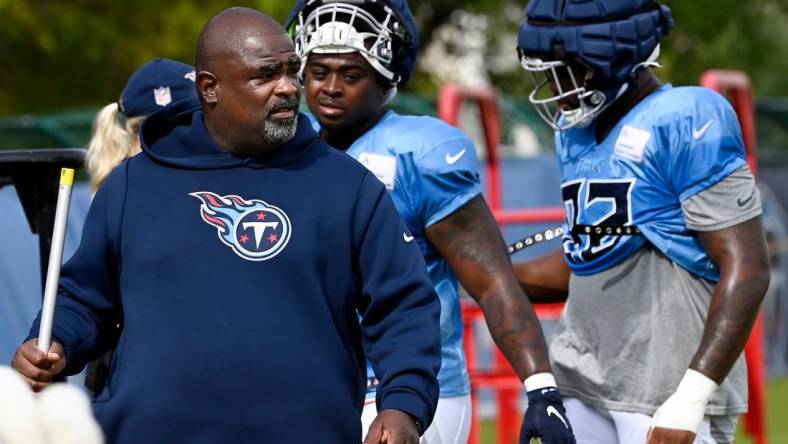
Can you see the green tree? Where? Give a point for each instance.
(66, 53)
(69, 53)
(749, 36)
(724, 34)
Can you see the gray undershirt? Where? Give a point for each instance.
(628, 334)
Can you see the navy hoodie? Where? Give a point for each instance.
(237, 283)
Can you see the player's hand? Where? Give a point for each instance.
(546, 418)
(679, 418)
(659, 435)
(37, 367)
(392, 427)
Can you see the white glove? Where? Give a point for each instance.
(18, 422)
(61, 414)
(65, 416)
(685, 408)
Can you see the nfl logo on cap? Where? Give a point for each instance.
(162, 96)
(168, 80)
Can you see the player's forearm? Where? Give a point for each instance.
(545, 279)
(471, 242)
(740, 253)
(515, 329)
(734, 307)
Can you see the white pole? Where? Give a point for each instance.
(55, 259)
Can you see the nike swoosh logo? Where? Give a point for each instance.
(552, 411)
(697, 134)
(747, 200)
(406, 237)
(451, 160)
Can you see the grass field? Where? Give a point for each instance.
(776, 421)
(776, 414)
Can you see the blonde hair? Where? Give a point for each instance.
(111, 143)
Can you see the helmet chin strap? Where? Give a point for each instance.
(651, 61)
(390, 94)
(577, 118)
(590, 107)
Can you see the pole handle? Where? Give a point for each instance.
(55, 259)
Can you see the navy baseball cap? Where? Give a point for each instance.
(156, 84)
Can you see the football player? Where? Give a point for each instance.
(355, 55)
(663, 254)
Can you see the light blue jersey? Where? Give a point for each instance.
(672, 145)
(430, 169)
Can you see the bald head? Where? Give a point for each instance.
(225, 34)
(247, 81)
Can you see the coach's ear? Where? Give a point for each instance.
(207, 86)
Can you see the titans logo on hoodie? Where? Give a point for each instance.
(254, 229)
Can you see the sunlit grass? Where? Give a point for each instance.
(776, 414)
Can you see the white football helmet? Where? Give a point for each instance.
(341, 27)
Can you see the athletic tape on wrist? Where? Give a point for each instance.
(539, 381)
(696, 385)
(684, 410)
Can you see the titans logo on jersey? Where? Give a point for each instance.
(255, 230)
(672, 145)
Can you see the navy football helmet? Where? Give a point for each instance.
(583, 54)
(382, 31)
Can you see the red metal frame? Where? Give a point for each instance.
(501, 377)
(737, 86)
(449, 102)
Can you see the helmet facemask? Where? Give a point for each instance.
(340, 28)
(562, 94)
(583, 96)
